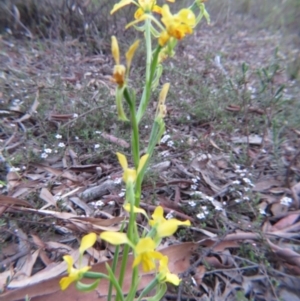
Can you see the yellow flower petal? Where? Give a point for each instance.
(157, 9)
(163, 38)
(142, 162)
(122, 160)
(164, 272)
(121, 4)
(145, 245)
(158, 216)
(163, 93)
(169, 227)
(119, 75)
(115, 50)
(115, 238)
(129, 175)
(69, 260)
(130, 53)
(138, 13)
(135, 209)
(87, 241)
(74, 274)
(66, 281)
(187, 17)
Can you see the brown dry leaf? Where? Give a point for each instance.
(59, 173)
(285, 222)
(265, 185)
(48, 290)
(233, 108)
(48, 198)
(286, 254)
(252, 139)
(29, 262)
(215, 145)
(84, 223)
(8, 200)
(199, 274)
(61, 117)
(296, 194)
(31, 111)
(115, 140)
(12, 179)
(277, 209)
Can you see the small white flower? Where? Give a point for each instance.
(165, 138)
(247, 181)
(188, 117)
(111, 203)
(209, 198)
(76, 138)
(246, 189)
(61, 144)
(200, 215)
(194, 187)
(56, 151)
(246, 198)
(237, 200)
(204, 209)
(118, 180)
(236, 182)
(170, 143)
(194, 180)
(75, 115)
(218, 208)
(48, 150)
(197, 194)
(170, 215)
(146, 126)
(16, 169)
(121, 194)
(286, 201)
(99, 204)
(44, 155)
(96, 146)
(262, 211)
(58, 136)
(98, 132)
(224, 203)
(192, 203)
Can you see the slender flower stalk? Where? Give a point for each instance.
(162, 30)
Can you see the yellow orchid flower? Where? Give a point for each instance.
(74, 274)
(120, 71)
(164, 273)
(129, 174)
(144, 6)
(87, 241)
(163, 226)
(146, 254)
(144, 250)
(177, 25)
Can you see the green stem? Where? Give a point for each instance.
(135, 129)
(148, 288)
(147, 90)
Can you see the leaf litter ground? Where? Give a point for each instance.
(229, 162)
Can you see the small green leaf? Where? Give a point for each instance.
(87, 287)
